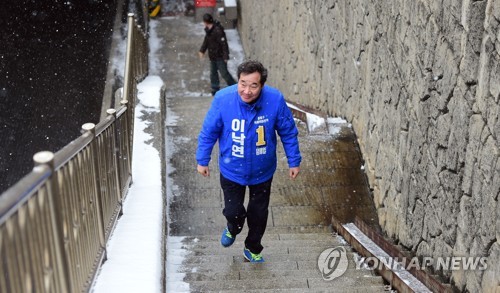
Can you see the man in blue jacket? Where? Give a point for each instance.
(245, 118)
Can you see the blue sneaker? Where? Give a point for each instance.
(227, 238)
(252, 257)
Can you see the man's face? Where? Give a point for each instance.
(249, 86)
(207, 25)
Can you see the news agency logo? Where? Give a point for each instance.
(453, 263)
(332, 263)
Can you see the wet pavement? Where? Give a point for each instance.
(331, 183)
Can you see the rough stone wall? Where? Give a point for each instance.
(420, 82)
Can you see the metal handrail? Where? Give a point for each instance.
(55, 222)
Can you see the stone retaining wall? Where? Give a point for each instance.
(420, 83)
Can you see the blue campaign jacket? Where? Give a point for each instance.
(247, 135)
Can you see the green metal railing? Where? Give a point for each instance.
(55, 222)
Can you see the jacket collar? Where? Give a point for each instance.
(209, 30)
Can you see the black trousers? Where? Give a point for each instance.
(256, 212)
(221, 67)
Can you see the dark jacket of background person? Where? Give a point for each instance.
(216, 43)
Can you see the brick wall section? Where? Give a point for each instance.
(420, 82)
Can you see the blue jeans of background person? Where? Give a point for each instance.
(216, 67)
(256, 212)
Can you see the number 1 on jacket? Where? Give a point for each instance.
(261, 141)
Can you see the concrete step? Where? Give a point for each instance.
(225, 264)
(346, 281)
(337, 289)
(203, 276)
(285, 257)
(257, 275)
(214, 260)
(299, 229)
(237, 250)
(207, 286)
(184, 287)
(314, 273)
(284, 283)
(270, 235)
(214, 245)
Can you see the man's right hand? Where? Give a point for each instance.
(201, 55)
(203, 170)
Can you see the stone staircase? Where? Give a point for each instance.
(201, 264)
(331, 182)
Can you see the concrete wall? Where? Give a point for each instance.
(420, 82)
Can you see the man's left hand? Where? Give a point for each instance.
(294, 172)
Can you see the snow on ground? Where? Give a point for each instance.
(313, 122)
(175, 255)
(134, 261)
(335, 125)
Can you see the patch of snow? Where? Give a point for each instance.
(314, 121)
(176, 255)
(148, 95)
(134, 262)
(335, 120)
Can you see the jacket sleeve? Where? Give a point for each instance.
(288, 132)
(204, 46)
(225, 47)
(209, 133)
(221, 38)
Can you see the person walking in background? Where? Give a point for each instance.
(245, 118)
(218, 52)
